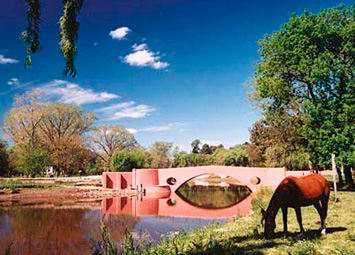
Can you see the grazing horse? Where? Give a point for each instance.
(295, 192)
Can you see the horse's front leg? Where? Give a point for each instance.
(284, 214)
(299, 218)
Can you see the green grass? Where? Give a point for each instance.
(243, 235)
(17, 185)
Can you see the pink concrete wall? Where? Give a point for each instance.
(111, 180)
(147, 207)
(116, 180)
(269, 176)
(123, 205)
(161, 207)
(126, 180)
(186, 210)
(146, 176)
(307, 172)
(149, 178)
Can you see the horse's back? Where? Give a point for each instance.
(307, 188)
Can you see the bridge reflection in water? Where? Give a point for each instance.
(172, 206)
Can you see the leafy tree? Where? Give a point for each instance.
(160, 154)
(276, 140)
(31, 35)
(57, 128)
(93, 167)
(277, 157)
(181, 159)
(32, 160)
(108, 139)
(126, 160)
(310, 62)
(69, 27)
(255, 155)
(236, 156)
(206, 149)
(62, 129)
(22, 123)
(218, 157)
(184, 159)
(5, 168)
(195, 144)
(88, 162)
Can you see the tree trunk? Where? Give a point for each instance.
(348, 176)
(340, 176)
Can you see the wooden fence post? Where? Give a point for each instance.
(334, 168)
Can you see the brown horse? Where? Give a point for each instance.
(295, 192)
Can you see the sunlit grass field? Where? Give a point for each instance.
(243, 235)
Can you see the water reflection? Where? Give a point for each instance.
(176, 206)
(213, 197)
(57, 231)
(67, 230)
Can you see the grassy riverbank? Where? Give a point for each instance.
(25, 185)
(242, 235)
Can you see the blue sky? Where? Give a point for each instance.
(166, 70)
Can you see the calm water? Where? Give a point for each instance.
(66, 230)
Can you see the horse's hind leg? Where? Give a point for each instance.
(320, 211)
(299, 218)
(324, 202)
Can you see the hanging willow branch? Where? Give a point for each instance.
(69, 33)
(31, 35)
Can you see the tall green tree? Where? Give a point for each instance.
(310, 62)
(62, 130)
(32, 160)
(108, 139)
(160, 154)
(236, 156)
(5, 169)
(126, 160)
(46, 134)
(184, 159)
(195, 144)
(22, 122)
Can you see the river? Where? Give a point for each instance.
(71, 229)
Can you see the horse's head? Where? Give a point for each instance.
(268, 223)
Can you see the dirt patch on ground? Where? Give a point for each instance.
(57, 195)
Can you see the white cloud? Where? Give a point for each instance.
(4, 60)
(116, 106)
(119, 33)
(132, 130)
(134, 112)
(68, 92)
(160, 65)
(127, 109)
(168, 127)
(139, 47)
(143, 56)
(13, 82)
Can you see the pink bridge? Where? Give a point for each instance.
(156, 182)
(172, 206)
(159, 186)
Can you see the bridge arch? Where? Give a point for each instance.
(245, 175)
(199, 175)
